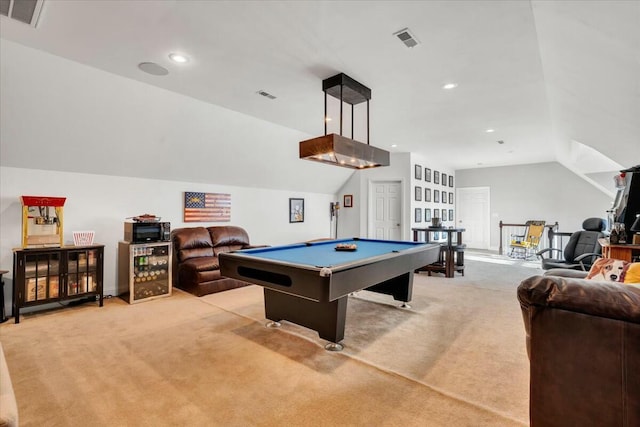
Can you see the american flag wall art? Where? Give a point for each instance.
(207, 207)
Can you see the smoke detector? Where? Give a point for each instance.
(406, 36)
(27, 11)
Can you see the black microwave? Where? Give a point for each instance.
(145, 232)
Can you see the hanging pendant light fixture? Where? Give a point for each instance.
(337, 149)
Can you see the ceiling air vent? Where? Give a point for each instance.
(407, 37)
(265, 94)
(27, 11)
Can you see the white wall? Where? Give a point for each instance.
(354, 221)
(440, 167)
(57, 114)
(543, 191)
(101, 203)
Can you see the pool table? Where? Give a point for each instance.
(309, 283)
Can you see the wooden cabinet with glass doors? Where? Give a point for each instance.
(50, 275)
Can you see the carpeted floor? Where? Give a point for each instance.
(456, 358)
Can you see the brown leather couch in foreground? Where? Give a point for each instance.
(195, 257)
(583, 341)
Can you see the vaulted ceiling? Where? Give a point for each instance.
(544, 75)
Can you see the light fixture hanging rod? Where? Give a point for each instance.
(326, 118)
(352, 107)
(367, 122)
(341, 89)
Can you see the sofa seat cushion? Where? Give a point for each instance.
(205, 263)
(220, 249)
(194, 253)
(200, 276)
(198, 270)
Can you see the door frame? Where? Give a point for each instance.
(370, 209)
(487, 224)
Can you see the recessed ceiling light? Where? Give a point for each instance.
(500, 142)
(394, 145)
(490, 130)
(450, 86)
(176, 57)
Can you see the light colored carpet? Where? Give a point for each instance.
(457, 357)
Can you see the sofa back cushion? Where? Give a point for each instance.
(228, 238)
(192, 242)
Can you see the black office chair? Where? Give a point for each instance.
(581, 250)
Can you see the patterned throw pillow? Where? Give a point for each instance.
(608, 270)
(631, 273)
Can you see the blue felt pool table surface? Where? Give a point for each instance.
(324, 254)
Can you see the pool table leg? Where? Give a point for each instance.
(401, 287)
(327, 318)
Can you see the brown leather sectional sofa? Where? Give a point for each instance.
(195, 257)
(583, 341)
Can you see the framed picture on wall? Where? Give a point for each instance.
(418, 172)
(436, 196)
(348, 201)
(451, 198)
(444, 197)
(427, 174)
(450, 214)
(450, 180)
(418, 195)
(444, 179)
(427, 214)
(418, 214)
(436, 177)
(427, 194)
(296, 210)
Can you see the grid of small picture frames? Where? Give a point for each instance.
(433, 196)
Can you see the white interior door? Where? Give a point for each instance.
(385, 215)
(474, 217)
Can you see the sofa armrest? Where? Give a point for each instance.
(610, 300)
(613, 300)
(8, 404)
(583, 343)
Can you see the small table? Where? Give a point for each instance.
(620, 251)
(449, 247)
(309, 283)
